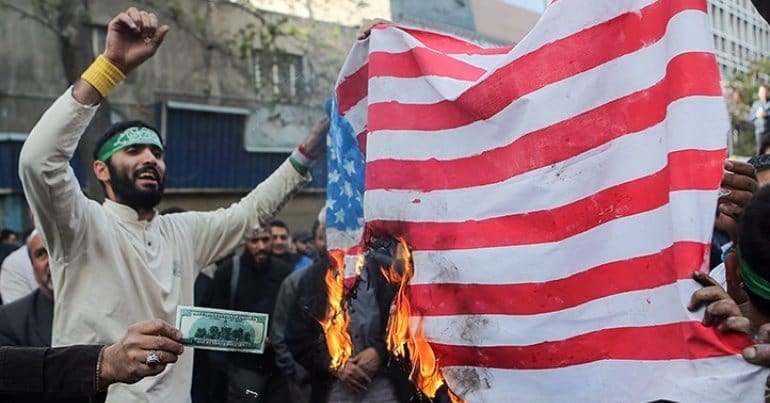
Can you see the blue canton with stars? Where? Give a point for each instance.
(345, 186)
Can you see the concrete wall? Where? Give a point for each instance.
(458, 14)
(502, 21)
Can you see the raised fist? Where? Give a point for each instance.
(133, 36)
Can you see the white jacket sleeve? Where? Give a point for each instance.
(17, 277)
(50, 185)
(216, 233)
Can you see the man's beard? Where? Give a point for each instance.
(262, 265)
(128, 193)
(261, 258)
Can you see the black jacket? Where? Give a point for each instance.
(27, 321)
(257, 291)
(41, 374)
(304, 335)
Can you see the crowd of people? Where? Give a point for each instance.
(106, 279)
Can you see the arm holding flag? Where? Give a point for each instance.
(218, 232)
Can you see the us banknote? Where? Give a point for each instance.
(222, 330)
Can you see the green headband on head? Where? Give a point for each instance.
(129, 137)
(753, 281)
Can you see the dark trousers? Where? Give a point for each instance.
(269, 388)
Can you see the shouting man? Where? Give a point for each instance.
(120, 262)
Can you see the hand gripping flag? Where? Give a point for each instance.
(557, 195)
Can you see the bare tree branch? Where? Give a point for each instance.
(30, 15)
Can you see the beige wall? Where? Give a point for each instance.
(184, 69)
(499, 20)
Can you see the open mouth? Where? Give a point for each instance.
(148, 177)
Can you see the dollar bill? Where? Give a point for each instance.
(222, 330)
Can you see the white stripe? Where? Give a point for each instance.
(567, 17)
(584, 175)
(357, 116)
(651, 307)
(396, 41)
(681, 220)
(415, 90)
(351, 262)
(710, 380)
(564, 100)
(336, 239)
(357, 58)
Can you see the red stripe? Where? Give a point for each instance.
(623, 200)
(707, 165)
(447, 44)
(686, 340)
(361, 138)
(551, 63)
(419, 62)
(689, 74)
(353, 89)
(665, 267)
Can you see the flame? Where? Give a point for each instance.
(335, 323)
(401, 338)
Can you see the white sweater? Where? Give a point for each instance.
(111, 270)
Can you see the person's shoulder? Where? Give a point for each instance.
(16, 258)
(19, 307)
(7, 248)
(314, 272)
(280, 265)
(22, 303)
(296, 274)
(302, 262)
(224, 268)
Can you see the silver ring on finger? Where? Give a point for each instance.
(152, 358)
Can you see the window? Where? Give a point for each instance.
(278, 76)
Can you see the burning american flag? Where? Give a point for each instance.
(556, 195)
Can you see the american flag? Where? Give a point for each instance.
(558, 194)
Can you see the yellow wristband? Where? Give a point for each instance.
(103, 75)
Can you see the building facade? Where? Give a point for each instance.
(230, 107)
(741, 36)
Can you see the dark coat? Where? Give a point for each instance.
(42, 374)
(26, 322)
(306, 341)
(257, 291)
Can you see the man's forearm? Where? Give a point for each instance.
(85, 93)
(49, 183)
(218, 232)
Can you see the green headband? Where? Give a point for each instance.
(129, 137)
(753, 281)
